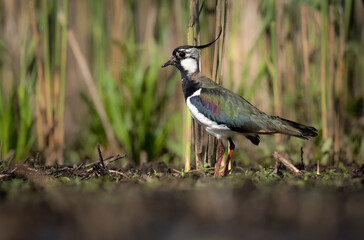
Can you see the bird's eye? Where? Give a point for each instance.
(182, 54)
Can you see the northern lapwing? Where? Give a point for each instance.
(223, 113)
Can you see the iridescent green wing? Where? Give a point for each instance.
(225, 107)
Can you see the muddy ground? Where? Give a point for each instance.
(156, 202)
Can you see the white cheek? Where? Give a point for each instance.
(190, 65)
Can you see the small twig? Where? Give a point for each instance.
(120, 173)
(200, 169)
(286, 163)
(4, 176)
(63, 169)
(101, 159)
(79, 166)
(276, 168)
(37, 159)
(301, 165)
(114, 158)
(107, 161)
(14, 170)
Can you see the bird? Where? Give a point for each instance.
(224, 113)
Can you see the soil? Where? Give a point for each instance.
(154, 201)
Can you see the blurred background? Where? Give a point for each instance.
(77, 73)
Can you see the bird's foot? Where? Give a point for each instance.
(225, 172)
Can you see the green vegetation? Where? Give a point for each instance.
(298, 59)
(76, 74)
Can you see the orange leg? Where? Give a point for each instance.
(222, 151)
(232, 147)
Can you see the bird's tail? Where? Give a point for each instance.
(291, 128)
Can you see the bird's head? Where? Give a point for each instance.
(185, 58)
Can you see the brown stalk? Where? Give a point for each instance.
(198, 131)
(306, 75)
(198, 136)
(212, 141)
(40, 85)
(306, 64)
(331, 65)
(56, 117)
(323, 71)
(49, 94)
(58, 143)
(280, 58)
(215, 64)
(63, 20)
(339, 87)
(187, 118)
(226, 28)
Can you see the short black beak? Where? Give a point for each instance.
(170, 62)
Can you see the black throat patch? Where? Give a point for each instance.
(189, 87)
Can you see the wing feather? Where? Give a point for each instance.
(228, 108)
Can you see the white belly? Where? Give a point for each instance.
(212, 127)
